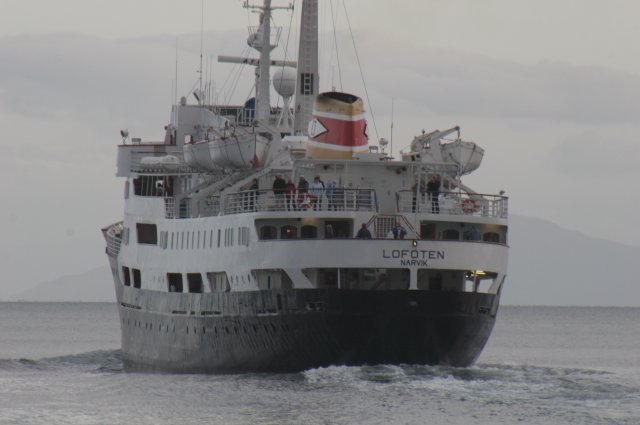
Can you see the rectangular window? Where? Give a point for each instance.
(218, 282)
(147, 233)
(195, 282)
(174, 281)
(306, 83)
(164, 237)
(137, 278)
(126, 276)
(219, 238)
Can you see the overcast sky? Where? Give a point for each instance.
(550, 89)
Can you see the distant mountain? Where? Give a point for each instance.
(95, 285)
(548, 265)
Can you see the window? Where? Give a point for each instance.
(243, 236)
(288, 232)
(218, 282)
(491, 237)
(164, 238)
(340, 229)
(147, 233)
(451, 235)
(268, 232)
(126, 276)
(152, 186)
(195, 282)
(137, 278)
(427, 230)
(228, 236)
(306, 83)
(175, 282)
(309, 232)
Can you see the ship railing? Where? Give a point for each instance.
(182, 209)
(339, 199)
(113, 236)
(453, 203)
(171, 161)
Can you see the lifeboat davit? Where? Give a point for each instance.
(338, 129)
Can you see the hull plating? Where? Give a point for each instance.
(294, 330)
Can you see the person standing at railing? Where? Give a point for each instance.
(329, 193)
(433, 192)
(279, 189)
(316, 189)
(290, 196)
(399, 231)
(253, 194)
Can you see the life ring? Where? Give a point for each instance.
(304, 201)
(469, 206)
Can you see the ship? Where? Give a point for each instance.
(278, 239)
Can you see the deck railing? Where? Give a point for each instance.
(337, 200)
(113, 236)
(454, 203)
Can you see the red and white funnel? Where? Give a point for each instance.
(338, 128)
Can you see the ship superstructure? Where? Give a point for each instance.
(251, 242)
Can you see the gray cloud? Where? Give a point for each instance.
(458, 83)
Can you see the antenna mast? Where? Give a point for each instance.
(307, 84)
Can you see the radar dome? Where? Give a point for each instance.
(284, 81)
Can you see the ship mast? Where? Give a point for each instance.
(263, 98)
(307, 86)
(261, 41)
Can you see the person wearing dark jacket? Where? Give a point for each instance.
(279, 189)
(433, 192)
(363, 233)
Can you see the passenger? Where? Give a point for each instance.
(328, 232)
(253, 194)
(338, 198)
(303, 185)
(279, 189)
(329, 192)
(317, 189)
(433, 191)
(399, 231)
(474, 234)
(363, 233)
(290, 196)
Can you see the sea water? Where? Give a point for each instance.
(60, 364)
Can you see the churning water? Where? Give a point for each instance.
(60, 364)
